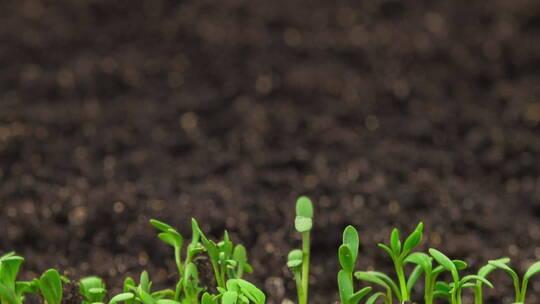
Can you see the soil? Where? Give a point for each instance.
(385, 112)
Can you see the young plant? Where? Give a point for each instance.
(432, 288)
(299, 259)
(237, 291)
(348, 254)
(142, 293)
(520, 289)
(92, 289)
(12, 291)
(9, 268)
(484, 272)
(50, 286)
(398, 253)
(228, 261)
(187, 288)
(457, 286)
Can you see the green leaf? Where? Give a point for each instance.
(411, 242)
(122, 298)
(509, 270)
(129, 284)
(422, 259)
(390, 283)
(160, 225)
(388, 250)
(475, 277)
(8, 294)
(304, 207)
(350, 238)
(229, 297)
(92, 288)
(414, 276)
(144, 282)
(442, 290)
(146, 297)
(368, 276)
(359, 295)
(375, 297)
(9, 268)
(240, 254)
(169, 239)
(395, 243)
(460, 265)
(534, 269)
(345, 286)
(249, 290)
(22, 288)
(303, 224)
(346, 259)
(206, 298)
(167, 301)
(248, 268)
(487, 269)
(50, 285)
(294, 258)
(163, 294)
(445, 262)
(196, 232)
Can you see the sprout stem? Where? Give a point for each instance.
(305, 266)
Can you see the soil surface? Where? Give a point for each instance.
(385, 112)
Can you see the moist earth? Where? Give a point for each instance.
(385, 113)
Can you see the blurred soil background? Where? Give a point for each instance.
(385, 112)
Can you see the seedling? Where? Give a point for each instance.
(520, 289)
(228, 261)
(398, 254)
(9, 268)
(237, 291)
(142, 293)
(299, 259)
(432, 288)
(348, 253)
(484, 272)
(92, 289)
(457, 286)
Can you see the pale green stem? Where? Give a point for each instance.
(402, 282)
(305, 265)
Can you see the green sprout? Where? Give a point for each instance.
(10, 291)
(348, 254)
(298, 260)
(229, 262)
(484, 272)
(236, 291)
(92, 289)
(432, 288)
(520, 289)
(142, 293)
(458, 284)
(49, 285)
(398, 253)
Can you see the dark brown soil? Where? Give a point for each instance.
(384, 112)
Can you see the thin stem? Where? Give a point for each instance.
(298, 280)
(478, 293)
(178, 260)
(305, 265)
(217, 273)
(402, 282)
(428, 293)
